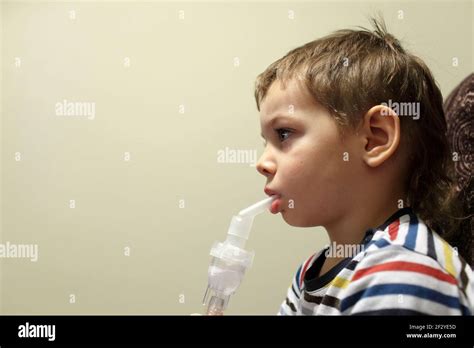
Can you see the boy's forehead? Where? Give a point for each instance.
(284, 101)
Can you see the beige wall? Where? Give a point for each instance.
(173, 155)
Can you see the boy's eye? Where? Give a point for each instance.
(283, 133)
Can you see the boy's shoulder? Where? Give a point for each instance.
(407, 258)
(408, 241)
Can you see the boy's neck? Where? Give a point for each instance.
(351, 228)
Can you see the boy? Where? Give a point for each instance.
(354, 135)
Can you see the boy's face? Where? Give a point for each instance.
(305, 160)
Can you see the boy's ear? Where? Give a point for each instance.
(381, 135)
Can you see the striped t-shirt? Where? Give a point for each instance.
(404, 268)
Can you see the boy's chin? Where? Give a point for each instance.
(294, 219)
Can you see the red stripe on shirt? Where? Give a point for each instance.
(393, 229)
(405, 266)
(303, 271)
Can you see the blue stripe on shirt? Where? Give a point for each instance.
(407, 289)
(410, 240)
(298, 277)
(380, 243)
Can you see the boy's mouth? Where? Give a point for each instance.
(277, 203)
(276, 206)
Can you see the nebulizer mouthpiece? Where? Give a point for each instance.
(230, 260)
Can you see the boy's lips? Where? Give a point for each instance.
(277, 203)
(276, 206)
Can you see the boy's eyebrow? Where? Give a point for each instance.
(275, 119)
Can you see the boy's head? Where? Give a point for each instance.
(361, 127)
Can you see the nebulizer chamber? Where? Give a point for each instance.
(230, 260)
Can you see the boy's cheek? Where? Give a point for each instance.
(296, 174)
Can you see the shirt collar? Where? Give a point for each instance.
(399, 213)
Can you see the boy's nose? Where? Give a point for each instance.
(266, 167)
